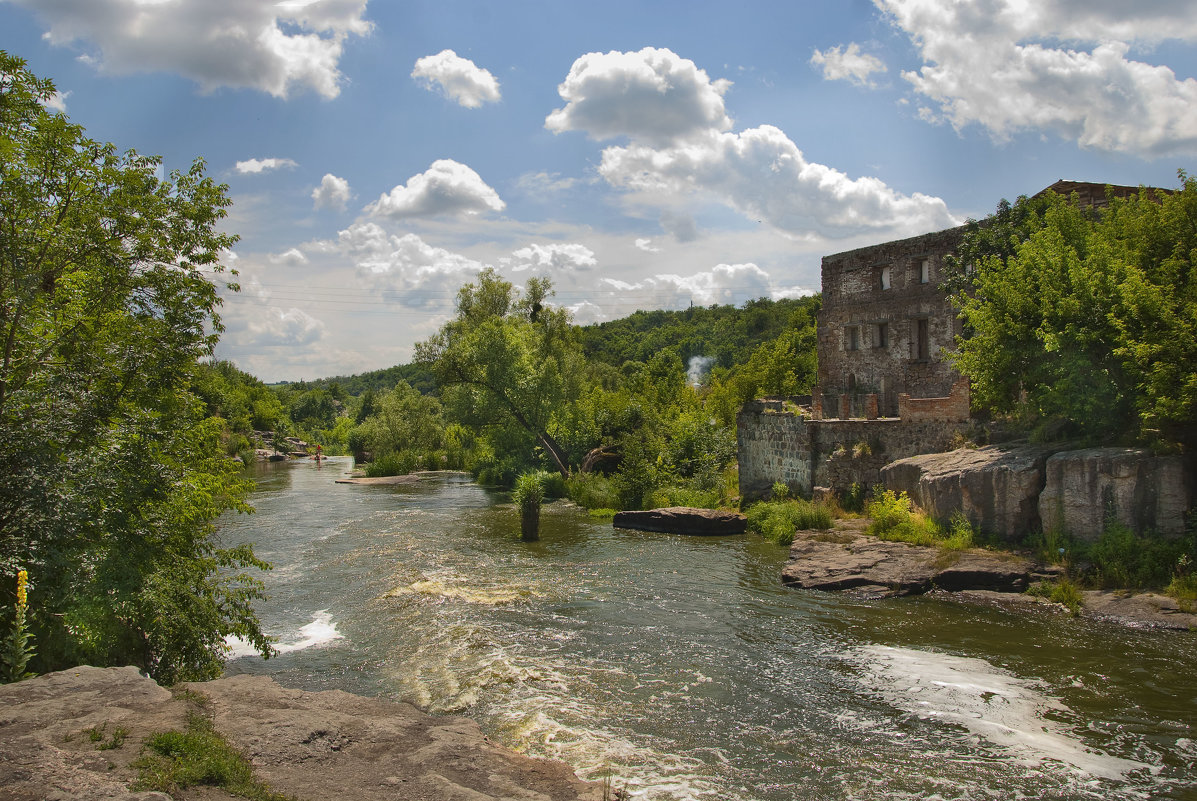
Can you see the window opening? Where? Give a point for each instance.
(885, 277)
(883, 335)
(853, 338)
(925, 271)
(923, 351)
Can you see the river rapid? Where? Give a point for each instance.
(684, 668)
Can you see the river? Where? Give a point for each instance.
(685, 669)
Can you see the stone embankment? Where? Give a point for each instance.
(314, 745)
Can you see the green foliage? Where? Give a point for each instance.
(99, 736)
(960, 535)
(780, 491)
(110, 475)
(1084, 322)
(853, 499)
(894, 520)
(1065, 592)
(393, 464)
(777, 521)
(1122, 559)
(528, 495)
(592, 491)
(199, 756)
(508, 358)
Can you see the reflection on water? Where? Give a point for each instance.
(686, 668)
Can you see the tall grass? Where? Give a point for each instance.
(777, 521)
(894, 518)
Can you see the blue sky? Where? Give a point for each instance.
(642, 155)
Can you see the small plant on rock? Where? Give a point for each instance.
(17, 647)
(528, 495)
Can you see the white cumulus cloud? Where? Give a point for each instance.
(446, 188)
(724, 284)
(266, 45)
(553, 258)
(406, 270)
(57, 101)
(1061, 66)
(847, 63)
(652, 95)
(457, 78)
(293, 327)
(681, 147)
(647, 246)
(762, 173)
(292, 257)
(333, 193)
(254, 166)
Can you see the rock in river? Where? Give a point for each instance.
(684, 520)
(846, 559)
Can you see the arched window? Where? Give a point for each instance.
(885, 277)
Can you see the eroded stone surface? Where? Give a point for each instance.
(846, 559)
(997, 488)
(313, 745)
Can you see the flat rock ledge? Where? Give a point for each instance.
(845, 559)
(684, 520)
(315, 745)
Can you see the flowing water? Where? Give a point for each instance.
(683, 666)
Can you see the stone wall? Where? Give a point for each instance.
(776, 444)
(955, 407)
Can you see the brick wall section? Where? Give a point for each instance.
(954, 408)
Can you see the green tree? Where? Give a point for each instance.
(110, 476)
(1091, 319)
(508, 356)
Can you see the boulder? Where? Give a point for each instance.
(309, 744)
(847, 559)
(684, 520)
(997, 488)
(1131, 485)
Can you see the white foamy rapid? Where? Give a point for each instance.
(988, 702)
(321, 631)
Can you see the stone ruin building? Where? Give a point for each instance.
(885, 390)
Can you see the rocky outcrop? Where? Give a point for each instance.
(996, 488)
(1084, 488)
(315, 745)
(684, 520)
(847, 559)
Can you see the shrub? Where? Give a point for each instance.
(1125, 560)
(853, 500)
(894, 520)
(684, 496)
(777, 521)
(961, 535)
(780, 491)
(528, 495)
(591, 491)
(393, 464)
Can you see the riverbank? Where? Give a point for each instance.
(845, 559)
(75, 734)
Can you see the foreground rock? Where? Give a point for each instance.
(844, 558)
(319, 745)
(684, 520)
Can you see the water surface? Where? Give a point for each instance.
(682, 666)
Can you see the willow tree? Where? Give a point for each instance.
(512, 354)
(110, 475)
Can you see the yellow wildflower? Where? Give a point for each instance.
(22, 593)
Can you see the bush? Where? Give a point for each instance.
(528, 495)
(853, 500)
(961, 535)
(393, 464)
(780, 491)
(1122, 559)
(894, 520)
(777, 521)
(591, 491)
(685, 496)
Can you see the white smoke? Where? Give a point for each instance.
(698, 368)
